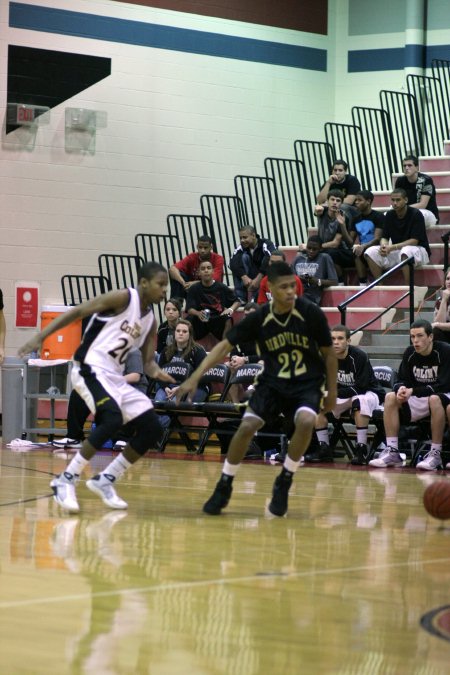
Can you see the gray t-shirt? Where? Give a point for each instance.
(134, 364)
(321, 267)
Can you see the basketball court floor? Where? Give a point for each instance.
(354, 581)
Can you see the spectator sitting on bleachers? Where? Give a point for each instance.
(423, 376)
(183, 348)
(315, 269)
(249, 263)
(172, 312)
(420, 190)
(332, 226)
(216, 298)
(357, 390)
(404, 236)
(441, 321)
(184, 273)
(264, 294)
(240, 355)
(365, 231)
(343, 181)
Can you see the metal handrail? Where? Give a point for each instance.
(445, 238)
(408, 261)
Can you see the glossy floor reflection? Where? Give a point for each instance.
(339, 586)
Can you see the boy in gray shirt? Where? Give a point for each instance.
(316, 270)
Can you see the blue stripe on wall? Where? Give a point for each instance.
(410, 56)
(49, 20)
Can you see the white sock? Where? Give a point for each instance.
(361, 435)
(230, 469)
(323, 435)
(291, 465)
(117, 467)
(392, 442)
(436, 446)
(77, 464)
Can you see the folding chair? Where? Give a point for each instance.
(180, 371)
(189, 416)
(245, 376)
(386, 378)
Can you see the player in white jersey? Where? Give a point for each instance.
(120, 320)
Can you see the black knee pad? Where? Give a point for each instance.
(108, 421)
(148, 432)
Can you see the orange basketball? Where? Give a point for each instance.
(436, 499)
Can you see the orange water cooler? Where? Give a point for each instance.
(63, 343)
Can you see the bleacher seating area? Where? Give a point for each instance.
(279, 203)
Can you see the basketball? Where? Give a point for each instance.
(436, 499)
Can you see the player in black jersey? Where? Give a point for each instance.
(357, 390)
(294, 341)
(423, 377)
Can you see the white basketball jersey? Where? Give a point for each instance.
(107, 340)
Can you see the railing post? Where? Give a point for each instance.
(343, 311)
(445, 240)
(411, 290)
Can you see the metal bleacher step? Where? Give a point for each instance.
(358, 316)
(387, 340)
(388, 350)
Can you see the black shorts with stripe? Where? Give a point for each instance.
(268, 403)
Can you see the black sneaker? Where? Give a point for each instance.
(279, 503)
(360, 457)
(323, 454)
(219, 498)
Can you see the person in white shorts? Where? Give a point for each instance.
(357, 390)
(120, 321)
(420, 190)
(404, 236)
(424, 376)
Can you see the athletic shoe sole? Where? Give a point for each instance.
(93, 487)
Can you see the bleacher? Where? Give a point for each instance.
(279, 203)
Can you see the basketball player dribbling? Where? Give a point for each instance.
(294, 341)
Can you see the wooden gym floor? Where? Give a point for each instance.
(354, 581)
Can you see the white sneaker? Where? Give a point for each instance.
(68, 443)
(447, 466)
(101, 485)
(431, 461)
(387, 458)
(64, 494)
(119, 445)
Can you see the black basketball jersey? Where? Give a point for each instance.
(287, 343)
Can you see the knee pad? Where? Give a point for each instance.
(148, 432)
(108, 421)
(356, 405)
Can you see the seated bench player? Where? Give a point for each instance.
(423, 376)
(357, 390)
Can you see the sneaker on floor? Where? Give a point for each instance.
(219, 498)
(431, 461)
(323, 454)
(360, 457)
(387, 458)
(119, 445)
(447, 466)
(68, 443)
(102, 485)
(64, 493)
(279, 503)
